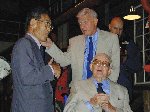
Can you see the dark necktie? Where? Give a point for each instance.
(89, 58)
(100, 89)
(42, 52)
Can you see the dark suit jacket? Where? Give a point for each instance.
(130, 66)
(32, 91)
(133, 62)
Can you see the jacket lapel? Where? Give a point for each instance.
(100, 41)
(81, 50)
(92, 89)
(113, 92)
(35, 50)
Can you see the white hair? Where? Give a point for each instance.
(87, 11)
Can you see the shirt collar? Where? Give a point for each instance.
(104, 82)
(35, 39)
(94, 36)
(105, 86)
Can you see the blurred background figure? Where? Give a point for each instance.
(5, 84)
(4, 68)
(62, 88)
(129, 55)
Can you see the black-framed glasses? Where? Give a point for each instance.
(47, 23)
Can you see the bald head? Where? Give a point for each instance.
(116, 26)
(104, 56)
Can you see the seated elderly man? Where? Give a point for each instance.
(98, 93)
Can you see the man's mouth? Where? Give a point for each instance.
(99, 70)
(83, 31)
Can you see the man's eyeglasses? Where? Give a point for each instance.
(47, 23)
(101, 63)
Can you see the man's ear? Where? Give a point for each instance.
(33, 23)
(95, 21)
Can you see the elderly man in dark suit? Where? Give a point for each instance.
(32, 91)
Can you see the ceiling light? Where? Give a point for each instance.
(132, 15)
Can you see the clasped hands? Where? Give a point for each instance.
(102, 100)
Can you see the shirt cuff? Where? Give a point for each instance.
(51, 69)
(89, 106)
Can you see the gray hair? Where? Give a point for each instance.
(87, 11)
(103, 55)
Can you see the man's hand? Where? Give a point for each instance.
(108, 107)
(93, 101)
(57, 69)
(98, 99)
(103, 101)
(102, 98)
(48, 43)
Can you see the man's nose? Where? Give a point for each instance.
(99, 65)
(118, 31)
(82, 25)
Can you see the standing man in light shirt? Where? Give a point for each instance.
(98, 93)
(32, 91)
(80, 52)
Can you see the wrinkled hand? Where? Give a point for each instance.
(108, 107)
(93, 100)
(103, 101)
(98, 99)
(57, 69)
(102, 98)
(48, 43)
